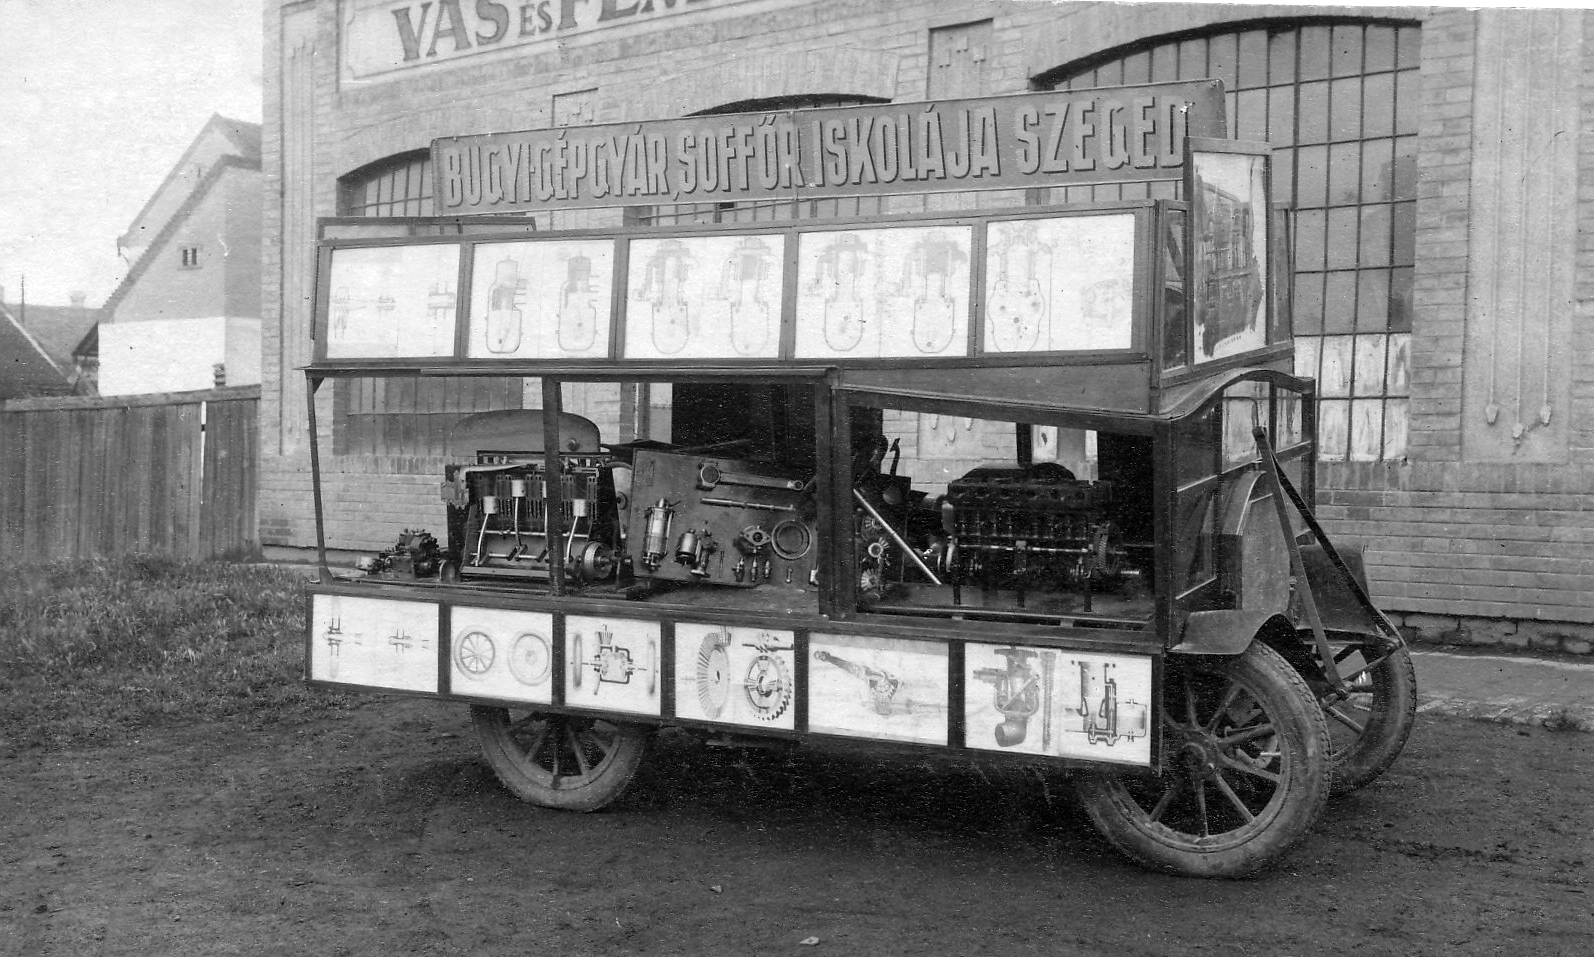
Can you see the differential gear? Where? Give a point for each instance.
(768, 686)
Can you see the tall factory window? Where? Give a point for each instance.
(404, 416)
(1339, 101)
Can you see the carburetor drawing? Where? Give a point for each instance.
(1019, 693)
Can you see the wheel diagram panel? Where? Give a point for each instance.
(887, 688)
(744, 676)
(494, 653)
(375, 642)
(614, 664)
(1056, 702)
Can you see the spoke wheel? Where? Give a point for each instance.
(574, 764)
(1370, 726)
(1246, 758)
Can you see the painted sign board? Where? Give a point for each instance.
(1029, 140)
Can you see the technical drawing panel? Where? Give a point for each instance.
(704, 297)
(1061, 284)
(388, 302)
(886, 688)
(501, 654)
(540, 300)
(615, 664)
(741, 676)
(374, 642)
(1056, 702)
(868, 293)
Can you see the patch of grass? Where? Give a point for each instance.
(90, 651)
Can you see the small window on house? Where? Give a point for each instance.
(190, 257)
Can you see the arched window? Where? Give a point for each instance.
(1339, 100)
(403, 415)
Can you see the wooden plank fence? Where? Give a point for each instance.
(159, 474)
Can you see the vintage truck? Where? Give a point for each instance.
(1026, 481)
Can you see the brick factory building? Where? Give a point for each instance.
(1442, 289)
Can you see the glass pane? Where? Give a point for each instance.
(1346, 98)
(1370, 361)
(1344, 173)
(1332, 429)
(1250, 115)
(1308, 307)
(1333, 377)
(1221, 52)
(1230, 108)
(1379, 45)
(1377, 170)
(1409, 43)
(1165, 63)
(1281, 57)
(1312, 185)
(1193, 58)
(1283, 167)
(1405, 179)
(1396, 427)
(1309, 239)
(1137, 68)
(1253, 59)
(1313, 110)
(1400, 301)
(1339, 302)
(1366, 429)
(1397, 376)
(1342, 238)
(1314, 53)
(1405, 233)
(1378, 116)
(1408, 93)
(1347, 57)
(1375, 235)
(1306, 354)
(1372, 300)
(1281, 115)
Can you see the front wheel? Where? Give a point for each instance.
(1369, 723)
(1246, 770)
(569, 763)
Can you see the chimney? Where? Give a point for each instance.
(78, 299)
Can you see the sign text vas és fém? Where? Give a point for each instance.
(1028, 140)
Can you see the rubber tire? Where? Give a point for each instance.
(1291, 812)
(534, 784)
(1394, 711)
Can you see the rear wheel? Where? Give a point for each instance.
(1246, 755)
(557, 761)
(1370, 722)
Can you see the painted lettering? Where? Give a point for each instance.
(658, 177)
(1115, 153)
(885, 148)
(957, 161)
(613, 11)
(931, 158)
(1143, 113)
(1173, 113)
(685, 158)
(567, 14)
(1029, 142)
(987, 146)
(1053, 160)
(860, 161)
(410, 33)
(456, 27)
(833, 146)
(491, 11)
(453, 190)
(1081, 154)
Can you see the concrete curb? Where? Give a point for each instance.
(1556, 695)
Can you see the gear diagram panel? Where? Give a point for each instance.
(375, 642)
(613, 664)
(735, 675)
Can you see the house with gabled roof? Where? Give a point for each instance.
(187, 314)
(27, 366)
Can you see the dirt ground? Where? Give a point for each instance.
(376, 830)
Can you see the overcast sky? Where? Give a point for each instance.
(98, 100)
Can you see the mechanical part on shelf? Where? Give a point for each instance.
(614, 663)
(791, 539)
(415, 554)
(530, 659)
(753, 539)
(658, 517)
(1027, 529)
(769, 684)
(694, 550)
(709, 475)
(890, 532)
(474, 654)
(739, 571)
(596, 562)
(882, 686)
(764, 506)
(714, 674)
(1108, 720)
(1018, 693)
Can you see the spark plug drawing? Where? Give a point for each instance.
(1018, 307)
(743, 277)
(503, 308)
(839, 274)
(578, 310)
(664, 289)
(928, 282)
